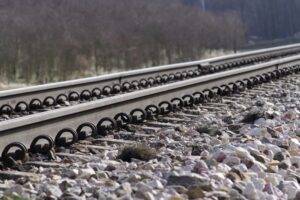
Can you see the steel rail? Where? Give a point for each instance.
(25, 129)
(14, 96)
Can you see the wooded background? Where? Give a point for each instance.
(264, 19)
(53, 40)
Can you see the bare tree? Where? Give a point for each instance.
(46, 41)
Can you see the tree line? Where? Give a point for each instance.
(53, 40)
(264, 19)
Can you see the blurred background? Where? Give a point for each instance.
(54, 40)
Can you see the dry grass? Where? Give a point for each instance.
(251, 116)
(137, 152)
(210, 130)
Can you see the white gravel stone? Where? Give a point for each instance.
(291, 188)
(232, 161)
(156, 184)
(52, 190)
(86, 173)
(127, 187)
(149, 196)
(294, 145)
(250, 191)
(143, 187)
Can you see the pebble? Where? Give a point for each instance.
(52, 190)
(291, 188)
(86, 173)
(143, 187)
(250, 192)
(156, 184)
(200, 167)
(149, 196)
(195, 192)
(189, 180)
(279, 156)
(294, 145)
(258, 167)
(232, 161)
(127, 187)
(180, 189)
(71, 173)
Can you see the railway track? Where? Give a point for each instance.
(21, 102)
(65, 126)
(169, 118)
